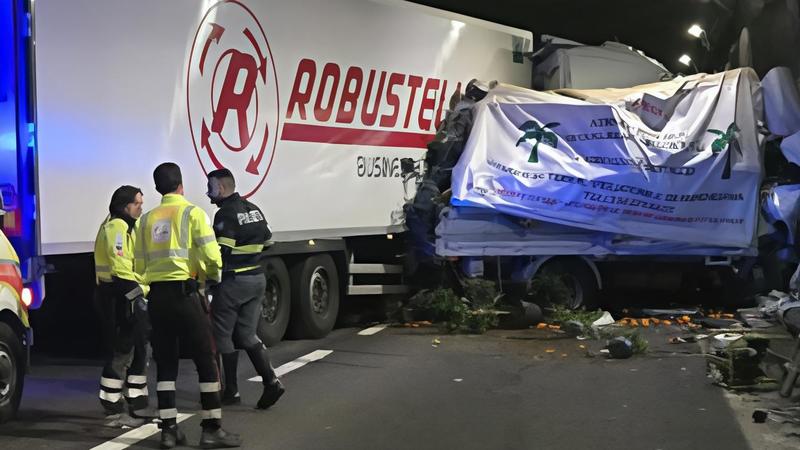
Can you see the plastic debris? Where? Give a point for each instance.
(604, 320)
(620, 348)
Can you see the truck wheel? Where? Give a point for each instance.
(12, 372)
(315, 296)
(277, 302)
(578, 278)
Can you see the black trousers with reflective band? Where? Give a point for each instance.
(125, 352)
(181, 326)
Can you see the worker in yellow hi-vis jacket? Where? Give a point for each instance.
(119, 300)
(176, 249)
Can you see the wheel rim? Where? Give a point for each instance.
(272, 300)
(8, 376)
(319, 290)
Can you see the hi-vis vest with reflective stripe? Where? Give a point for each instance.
(175, 242)
(113, 252)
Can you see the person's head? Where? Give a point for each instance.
(126, 202)
(168, 179)
(221, 185)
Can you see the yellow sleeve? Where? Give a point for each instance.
(205, 242)
(139, 261)
(139, 278)
(120, 250)
(120, 260)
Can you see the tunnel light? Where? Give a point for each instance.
(311, 242)
(390, 236)
(696, 31)
(685, 60)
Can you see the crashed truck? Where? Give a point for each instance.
(660, 186)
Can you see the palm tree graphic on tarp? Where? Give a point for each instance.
(539, 134)
(726, 141)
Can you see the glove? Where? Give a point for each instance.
(136, 307)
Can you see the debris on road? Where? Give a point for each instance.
(604, 320)
(620, 348)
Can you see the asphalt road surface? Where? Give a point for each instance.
(398, 389)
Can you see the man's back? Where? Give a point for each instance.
(174, 242)
(242, 232)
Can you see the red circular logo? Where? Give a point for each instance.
(232, 95)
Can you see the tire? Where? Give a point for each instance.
(315, 297)
(277, 302)
(579, 280)
(12, 372)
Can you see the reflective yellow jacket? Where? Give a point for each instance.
(113, 253)
(175, 242)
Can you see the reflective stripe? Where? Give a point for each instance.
(245, 269)
(170, 413)
(112, 397)
(110, 383)
(133, 393)
(137, 379)
(209, 387)
(183, 239)
(168, 253)
(201, 241)
(104, 279)
(247, 249)
(104, 269)
(228, 242)
(132, 294)
(211, 414)
(165, 386)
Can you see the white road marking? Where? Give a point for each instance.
(372, 330)
(137, 434)
(316, 355)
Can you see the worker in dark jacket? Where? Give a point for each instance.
(242, 233)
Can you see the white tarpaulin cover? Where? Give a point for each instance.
(677, 161)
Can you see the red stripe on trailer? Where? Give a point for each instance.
(354, 136)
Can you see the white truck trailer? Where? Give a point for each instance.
(311, 104)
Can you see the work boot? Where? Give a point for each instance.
(219, 438)
(273, 388)
(172, 436)
(230, 395)
(272, 392)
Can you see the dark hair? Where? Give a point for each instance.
(223, 174)
(121, 198)
(167, 177)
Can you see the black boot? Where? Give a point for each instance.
(172, 436)
(230, 363)
(272, 392)
(273, 388)
(219, 438)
